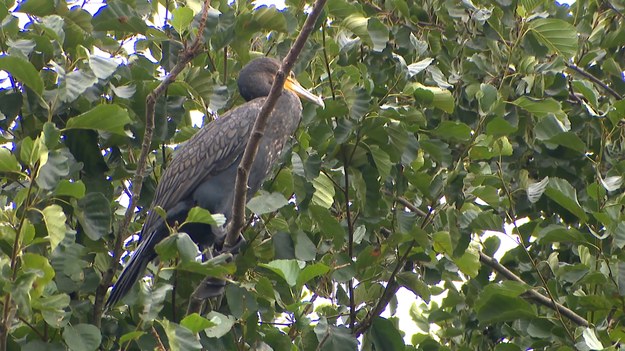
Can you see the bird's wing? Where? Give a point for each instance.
(212, 149)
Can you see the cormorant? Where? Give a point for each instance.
(203, 170)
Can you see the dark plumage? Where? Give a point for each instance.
(203, 170)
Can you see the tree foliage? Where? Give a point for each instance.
(445, 121)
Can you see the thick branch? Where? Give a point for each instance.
(240, 189)
(533, 294)
(122, 231)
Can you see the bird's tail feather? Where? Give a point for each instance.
(135, 267)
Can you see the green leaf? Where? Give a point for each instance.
(8, 161)
(558, 35)
(181, 19)
(434, 96)
(36, 7)
(312, 271)
(287, 269)
(335, 338)
(378, 33)
(179, 337)
(469, 262)
(305, 249)
(324, 191)
(133, 335)
(561, 191)
(54, 218)
(539, 107)
(442, 242)
(33, 262)
(200, 215)
(501, 302)
(222, 324)
(102, 67)
(82, 337)
(382, 161)
(452, 130)
(385, 335)
(267, 203)
(75, 189)
(118, 16)
(55, 168)
(23, 71)
(196, 323)
(94, 215)
(110, 118)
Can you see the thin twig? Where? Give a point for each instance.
(533, 294)
(122, 232)
(594, 79)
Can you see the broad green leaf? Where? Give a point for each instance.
(442, 242)
(110, 118)
(23, 71)
(75, 189)
(561, 191)
(267, 203)
(8, 161)
(498, 305)
(102, 67)
(118, 16)
(179, 337)
(200, 215)
(133, 335)
(94, 215)
(558, 35)
(378, 33)
(591, 340)
(452, 130)
(539, 107)
(324, 191)
(54, 218)
(32, 262)
(382, 161)
(76, 83)
(82, 337)
(312, 271)
(37, 7)
(385, 335)
(469, 262)
(287, 269)
(414, 283)
(418, 67)
(196, 323)
(222, 324)
(335, 338)
(181, 19)
(435, 97)
(55, 168)
(305, 249)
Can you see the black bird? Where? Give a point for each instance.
(203, 170)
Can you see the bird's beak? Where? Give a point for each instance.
(293, 85)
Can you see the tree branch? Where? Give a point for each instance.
(122, 231)
(594, 80)
(240, 189)
(533, 294)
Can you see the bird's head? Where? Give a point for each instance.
(256, 78)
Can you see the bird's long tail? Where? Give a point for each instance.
(135, 267)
